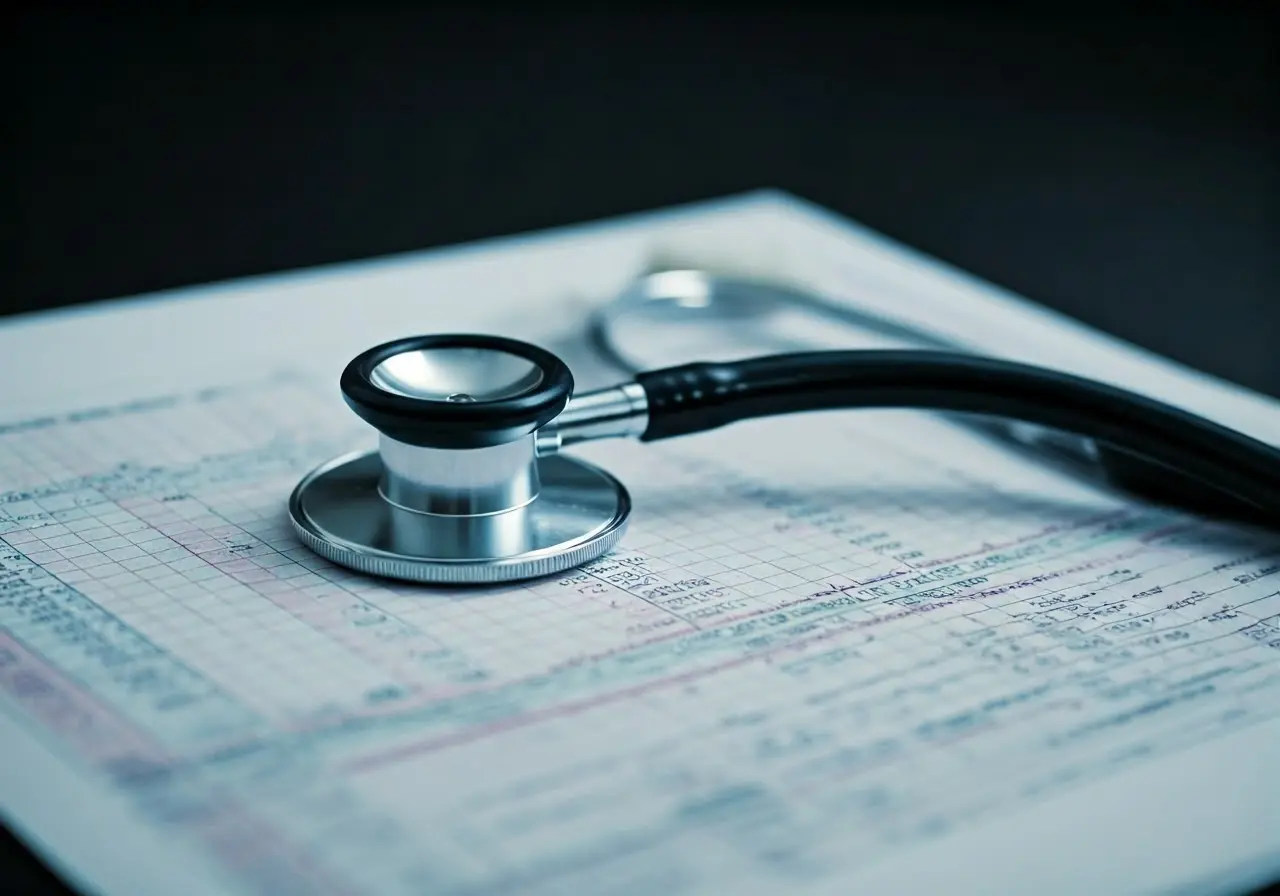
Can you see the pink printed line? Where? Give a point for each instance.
(210, 545)
(1167, 531)
(427, 698)
(1055, 529)
(389, 757)
(786, 605)
(430, 746)
(328, 617)
(66, 709)
(248, 846)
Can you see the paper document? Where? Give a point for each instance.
(858, 652)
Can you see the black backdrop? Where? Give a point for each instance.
(1118, 166)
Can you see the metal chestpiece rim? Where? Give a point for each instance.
(457, 390)
(456, 491)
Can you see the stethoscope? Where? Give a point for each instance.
(470, 482)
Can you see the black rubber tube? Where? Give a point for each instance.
(1244, 471)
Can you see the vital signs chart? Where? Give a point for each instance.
(845, 652)
(817, 644)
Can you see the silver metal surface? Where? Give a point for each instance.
(668, 317)
(466, 481)
(456, 374)
(580, 513)
(614, 413)
(546, 441)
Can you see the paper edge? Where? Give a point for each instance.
(761, 199)
(73, 865)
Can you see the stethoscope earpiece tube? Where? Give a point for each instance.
(1144, 478)
(469, 484)
(1156, 444)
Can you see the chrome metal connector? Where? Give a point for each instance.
(618, 412)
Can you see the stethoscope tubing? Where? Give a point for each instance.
(697, 397)
(1124, 440)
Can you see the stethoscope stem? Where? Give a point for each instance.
(616, 412)
(1165, 453)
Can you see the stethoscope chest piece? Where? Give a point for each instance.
(467, 484)
(457, 491)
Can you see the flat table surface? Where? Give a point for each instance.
(1120, 168)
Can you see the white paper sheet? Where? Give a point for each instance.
(852, 653)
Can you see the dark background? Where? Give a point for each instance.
(1119, 166)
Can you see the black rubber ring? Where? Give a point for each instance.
(445, 424)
